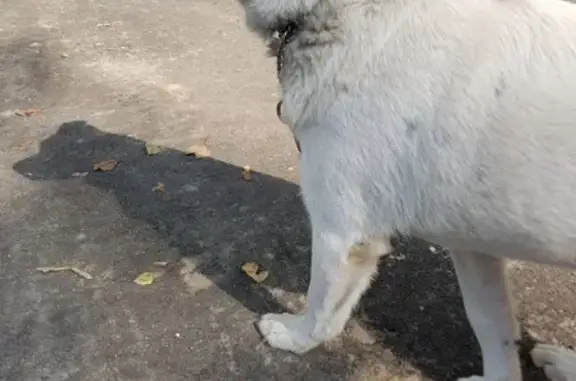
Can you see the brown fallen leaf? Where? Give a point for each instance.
(247, 173)
(152, 149)
(75, 270)
(254, 271)
(199, 151)
(28, 112)
(106, 165)
(158, 188)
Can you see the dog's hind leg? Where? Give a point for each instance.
(489, 308)
(559, 363)
(341, 272)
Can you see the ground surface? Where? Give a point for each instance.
(109, 77)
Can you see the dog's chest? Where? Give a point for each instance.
(313, 79)
(417, 71)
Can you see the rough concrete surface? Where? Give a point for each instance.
(110, 76)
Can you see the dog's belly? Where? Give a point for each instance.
(507, 244)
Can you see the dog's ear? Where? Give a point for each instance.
(267, 16)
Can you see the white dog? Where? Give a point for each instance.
(450, 120)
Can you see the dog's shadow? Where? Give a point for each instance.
(414, 305)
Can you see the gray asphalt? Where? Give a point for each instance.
(107, 77)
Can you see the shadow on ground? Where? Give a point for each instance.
(210, 214)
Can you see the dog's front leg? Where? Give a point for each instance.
(341, 272)
(483, 283)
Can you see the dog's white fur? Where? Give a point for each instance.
(451, 120)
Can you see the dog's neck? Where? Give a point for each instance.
(284, 36)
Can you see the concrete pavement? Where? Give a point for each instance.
(107, 78)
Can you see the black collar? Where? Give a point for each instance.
(285, 36)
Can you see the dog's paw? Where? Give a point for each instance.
(287, 332)
(558, 363)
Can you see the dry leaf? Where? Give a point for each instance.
(28, 112)
(247, 173)
(152, 149)
(75, 270)
(254, 271)
(161, 263)
(199, 151)
(144, 279)
(52, 269)
(82, 273)
(106, 165)
(158, 188)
